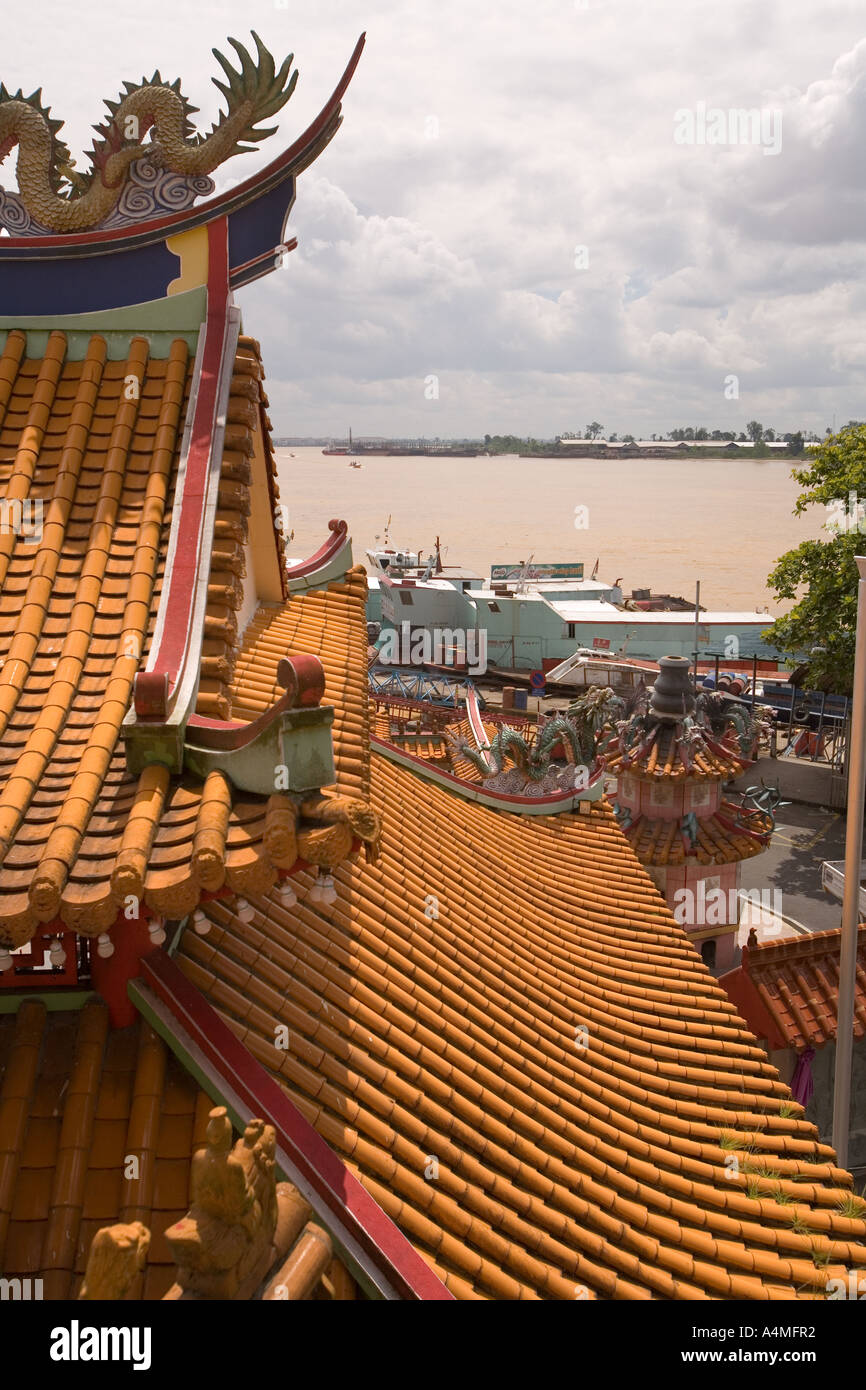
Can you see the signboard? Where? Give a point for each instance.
(571, 569)
(536, 681)
(601, 644)
(388, 610)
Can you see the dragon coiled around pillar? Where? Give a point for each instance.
(533, 759)
(53, 196)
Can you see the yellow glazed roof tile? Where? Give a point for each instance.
(87, 473)
(501, 1029)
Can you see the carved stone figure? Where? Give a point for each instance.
(117, 1255)
(228, 1233)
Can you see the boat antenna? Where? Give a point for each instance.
(520, 587)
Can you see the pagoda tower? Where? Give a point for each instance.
(672, 757)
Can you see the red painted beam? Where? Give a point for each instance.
(439, 774)
(178, 596)
(328, 550)
(338, 1191)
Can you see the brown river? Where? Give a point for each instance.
(653, 523)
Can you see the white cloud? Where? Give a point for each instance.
(480, 146)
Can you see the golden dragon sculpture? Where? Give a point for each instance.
(58, 198)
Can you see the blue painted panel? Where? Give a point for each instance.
(84, 284)
(258, 227)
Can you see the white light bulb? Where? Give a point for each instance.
(104, 945)
(201, 925)
(244, 910)
(57, 955)
(6, 961)
(288, 896)
(328, 890)
(156, 930)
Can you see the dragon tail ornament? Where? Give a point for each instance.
(149, 122)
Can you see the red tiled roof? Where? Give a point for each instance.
(788, 991)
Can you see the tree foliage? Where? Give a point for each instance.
(821, 574)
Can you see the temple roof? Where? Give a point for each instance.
(77, 1101)
(307, 624)
(79, 1098)
(78, 604)
(667, 753)
(435, 1013)
(788, 991)
(493, 1020)
(718, 839)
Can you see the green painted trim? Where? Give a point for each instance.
(54, 1002)
(161, 321)
(141, 998)
(202, 1077)
(178, 936)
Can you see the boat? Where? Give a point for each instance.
(340, 448)
(588, 668)
(794, 705)
(355, 464)
(392, 569)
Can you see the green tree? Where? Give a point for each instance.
(594, 430)
(755, 431)
(821, 574)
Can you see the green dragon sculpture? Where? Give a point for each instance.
(597, 710)
(58, 198)
(533, 759)
(721, 716)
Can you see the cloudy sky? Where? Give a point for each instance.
(524, 203)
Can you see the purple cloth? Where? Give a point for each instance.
(802, 1084)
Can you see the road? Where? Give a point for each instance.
(804, 837)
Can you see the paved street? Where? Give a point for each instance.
(804, 837)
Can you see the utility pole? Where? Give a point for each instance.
(697, 623)
(851, 892)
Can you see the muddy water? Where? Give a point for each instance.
(654, 523)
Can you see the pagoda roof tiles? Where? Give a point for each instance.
(77, 1098)
(436, 1011)
(77, 1101)
(719, 840)
(95, 461)
(789, 990)
(669, 752)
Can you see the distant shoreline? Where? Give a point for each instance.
(758, 453)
